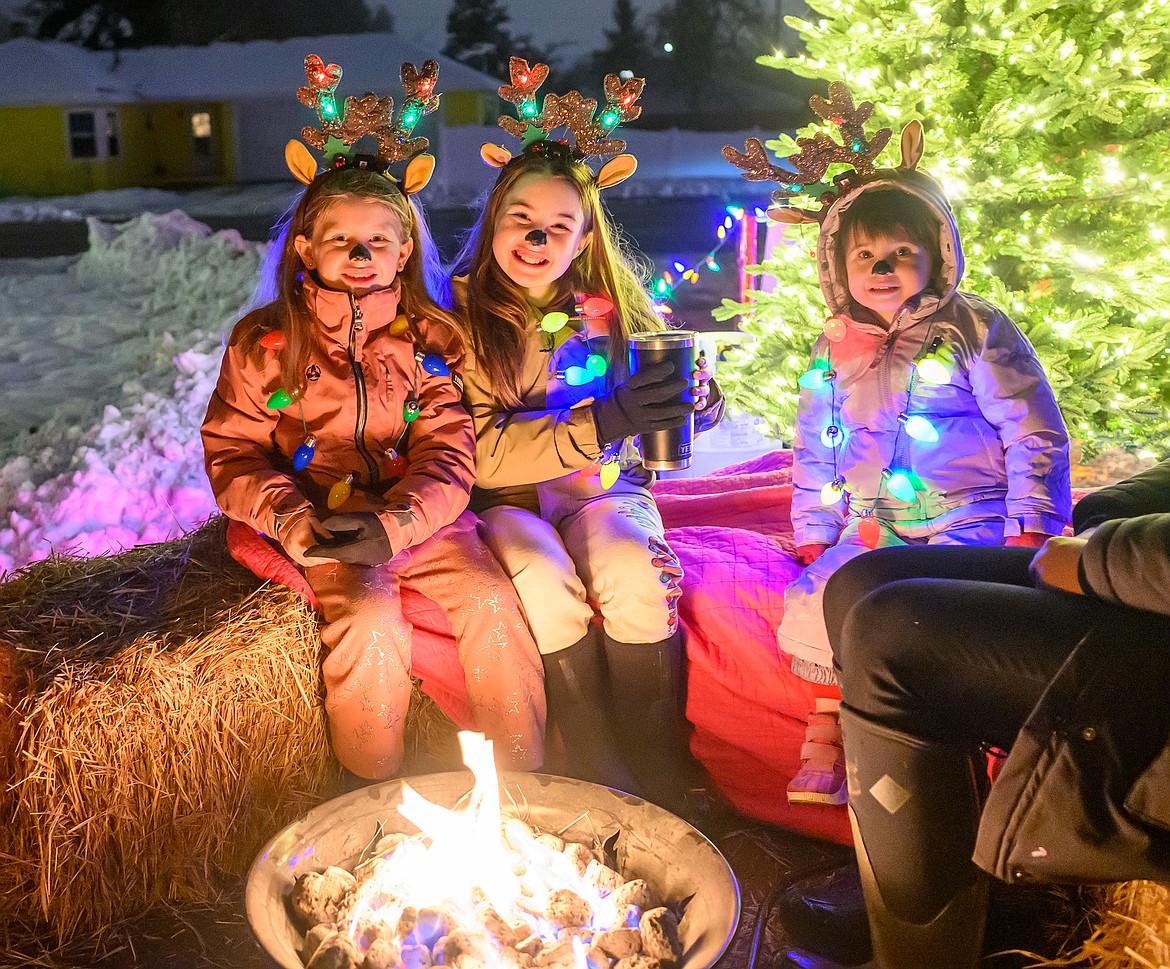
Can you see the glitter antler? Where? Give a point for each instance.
(850, 121)
(816, 154)
(522, 93)
(370, 114)
(571, 110)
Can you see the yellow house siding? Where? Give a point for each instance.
(34, 153)
(155, 146)
(470, 107)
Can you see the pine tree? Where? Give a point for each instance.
(711, 41)
(625, 48)
(476, 36)
(1048, 124)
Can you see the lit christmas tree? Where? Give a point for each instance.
(1048, 123)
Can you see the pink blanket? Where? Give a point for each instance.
(732, 533)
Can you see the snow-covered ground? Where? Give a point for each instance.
(106, 365)
(119, 204)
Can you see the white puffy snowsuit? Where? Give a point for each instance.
(999, 467)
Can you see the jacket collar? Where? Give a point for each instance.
(334, 308)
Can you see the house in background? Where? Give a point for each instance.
(78, 121)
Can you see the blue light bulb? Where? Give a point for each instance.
(303, 455)
(898, 485)
(834, 436)
(577, 376)
(432, 363)
(815, 379)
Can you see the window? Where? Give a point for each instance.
(201, 133)
(94, 134)
(201, 124)
(113, 142)
(82, 134)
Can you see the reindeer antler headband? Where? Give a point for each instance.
(590, 130)
(817, 153)
(342, 126)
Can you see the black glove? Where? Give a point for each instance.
(356, 538)
(650, 400)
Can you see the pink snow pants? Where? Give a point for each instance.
(367, 671)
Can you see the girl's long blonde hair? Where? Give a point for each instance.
(294, 314)
(496, 311)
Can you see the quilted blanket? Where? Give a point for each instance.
(732, 534)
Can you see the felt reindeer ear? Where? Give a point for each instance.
(495, 155)
(616, 170)
(913, 143)
(300, 162)
(791, 215)
(418, 173)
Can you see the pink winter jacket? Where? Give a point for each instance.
(1002, 447)
(362, 367)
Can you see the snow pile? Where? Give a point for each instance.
(268, 199)
(120, 348)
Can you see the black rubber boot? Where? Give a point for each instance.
(648, 696)
(575, 686)
(914, 807)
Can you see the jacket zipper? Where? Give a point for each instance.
(359, 431)
(884, 368)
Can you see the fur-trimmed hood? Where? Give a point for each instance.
(836, 289)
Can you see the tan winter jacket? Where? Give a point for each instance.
(549, 445)
(362, 368)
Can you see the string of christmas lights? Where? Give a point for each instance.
(738, 229)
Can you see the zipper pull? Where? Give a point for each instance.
(357, 313)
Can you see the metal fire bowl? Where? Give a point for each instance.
(673, 857)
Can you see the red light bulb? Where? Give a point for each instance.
(597, 306)
(869, 531)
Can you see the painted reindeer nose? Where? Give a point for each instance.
(882, 268)
(537, 237)
(360, 252)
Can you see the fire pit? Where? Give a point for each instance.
(675, 859)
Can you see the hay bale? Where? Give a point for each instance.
(161, 717)
(1129, 928)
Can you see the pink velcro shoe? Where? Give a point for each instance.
(821, 778)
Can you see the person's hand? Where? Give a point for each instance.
(356, 538)
(807, 554)
(1057, 564)
(1026, 540)
(700, 382)
(300, 535)
(650, 400)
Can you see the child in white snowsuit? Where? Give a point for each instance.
(924, 419)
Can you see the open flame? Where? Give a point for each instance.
(511, 894)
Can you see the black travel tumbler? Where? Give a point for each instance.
(668, 450)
